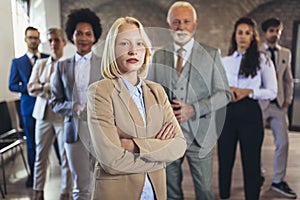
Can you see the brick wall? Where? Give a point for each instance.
(216, 17)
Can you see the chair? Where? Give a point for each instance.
(19, 116)
(9, 139)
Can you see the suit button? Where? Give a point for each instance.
(181, 88)
(181, 99)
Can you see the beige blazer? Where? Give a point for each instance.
(284, 76)
(112, 114)
(41, 73)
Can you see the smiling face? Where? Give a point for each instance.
(83, 38)
(243, 37)
(129, 49)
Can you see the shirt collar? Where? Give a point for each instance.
(265, 46)
(187, 47)
(131, 88)
(238, 54)
(86, 56)
(30, 55)
(50, 61)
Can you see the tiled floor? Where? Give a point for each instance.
(16, 175)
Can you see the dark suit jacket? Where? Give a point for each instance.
(19, 76)
(202, 83)
(63, 96)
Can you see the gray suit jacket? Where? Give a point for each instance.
(202, 83)
(284, 77)
(63, 95)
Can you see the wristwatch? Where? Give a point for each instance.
(250, 95)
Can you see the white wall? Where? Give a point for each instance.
(6, 50)
(43, 14)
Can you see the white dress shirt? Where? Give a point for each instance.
(264, 84)
(266, 47)
(30, 56)
(82, 75)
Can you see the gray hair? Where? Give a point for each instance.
(181, 4)
(58, 31)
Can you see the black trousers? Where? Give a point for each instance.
(243, 124)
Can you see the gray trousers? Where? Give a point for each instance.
(45, 133)
(201, 170)
(80, 166)
(278, 122)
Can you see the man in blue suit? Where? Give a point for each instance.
(19, 76)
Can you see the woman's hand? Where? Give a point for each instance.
(34, 87)
(166, 132)
(239, 93)
(129, 145)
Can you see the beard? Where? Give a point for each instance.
(272, 39)
(182, 37)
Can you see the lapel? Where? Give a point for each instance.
(95, 72)
(128, 102)
(192, 62)
(280, 60)
(149, 100)
(27, 62)
(46, 75)
(70, 72)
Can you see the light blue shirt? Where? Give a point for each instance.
(264, 84)
(136, 94)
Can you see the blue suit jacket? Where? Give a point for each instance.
(19, 76)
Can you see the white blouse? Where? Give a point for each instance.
(264, 84)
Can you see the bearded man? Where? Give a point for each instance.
(196, 84)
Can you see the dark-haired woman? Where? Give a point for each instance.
(70, 82)
(251, 77)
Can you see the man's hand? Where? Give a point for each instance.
(129, 145)
(81, 111)
(285, 105)
(182, 111)
(166, 132)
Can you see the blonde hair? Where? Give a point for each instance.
(109, 67)
(180, 4)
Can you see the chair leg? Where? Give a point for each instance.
(3, 174)
(24, 161)
(2, 193)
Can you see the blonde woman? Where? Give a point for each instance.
(131, 122)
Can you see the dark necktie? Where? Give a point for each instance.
(34, 58)
(272, 51)
(179, 60)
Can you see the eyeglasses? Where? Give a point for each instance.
(32, 38)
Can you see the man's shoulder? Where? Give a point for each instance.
(21, 58)
(206, 47)
(285, 49)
